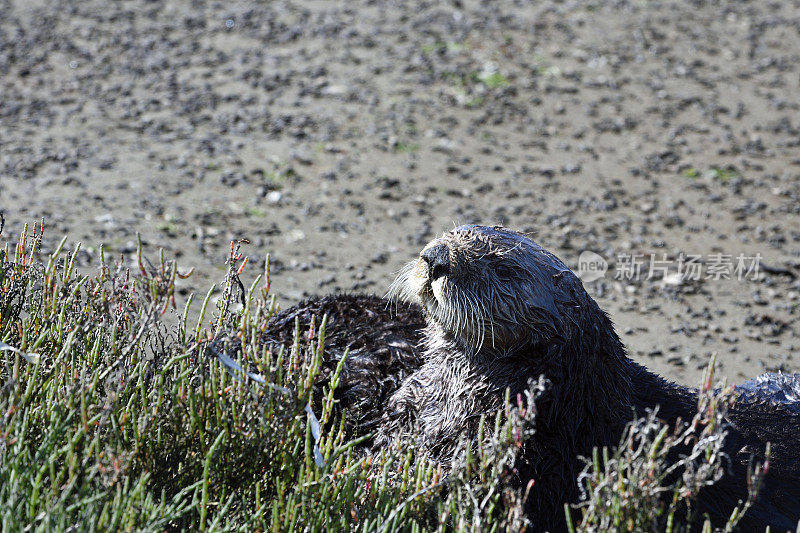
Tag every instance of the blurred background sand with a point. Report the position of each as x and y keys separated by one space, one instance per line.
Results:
x=339 y=137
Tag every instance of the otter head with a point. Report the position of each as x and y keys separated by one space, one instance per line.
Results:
x=493 y=289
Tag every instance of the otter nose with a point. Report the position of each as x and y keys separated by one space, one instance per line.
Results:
x=438 y=260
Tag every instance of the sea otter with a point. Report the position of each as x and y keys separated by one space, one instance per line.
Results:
x=501 y=310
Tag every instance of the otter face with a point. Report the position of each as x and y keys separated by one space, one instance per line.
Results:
x=490 y=288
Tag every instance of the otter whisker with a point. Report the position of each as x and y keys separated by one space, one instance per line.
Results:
x=444 y=313
x=468 y=315
x=464 y=318
x=400 y=288
x=469 y=318
x=458 y=312
x=488 y=316
x=477 y=320
x=471 y=312
x=454 y=315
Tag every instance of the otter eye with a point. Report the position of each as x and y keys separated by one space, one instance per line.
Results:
x=504 y=272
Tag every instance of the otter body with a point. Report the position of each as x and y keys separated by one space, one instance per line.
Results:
x=501 y=311
x=380 y=339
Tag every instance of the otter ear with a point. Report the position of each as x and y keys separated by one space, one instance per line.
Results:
x=558 y=276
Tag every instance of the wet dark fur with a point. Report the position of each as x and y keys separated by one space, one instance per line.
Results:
x=382 y=340
x=536 y=319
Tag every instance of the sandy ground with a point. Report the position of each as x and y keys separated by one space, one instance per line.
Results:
x=340 y=136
